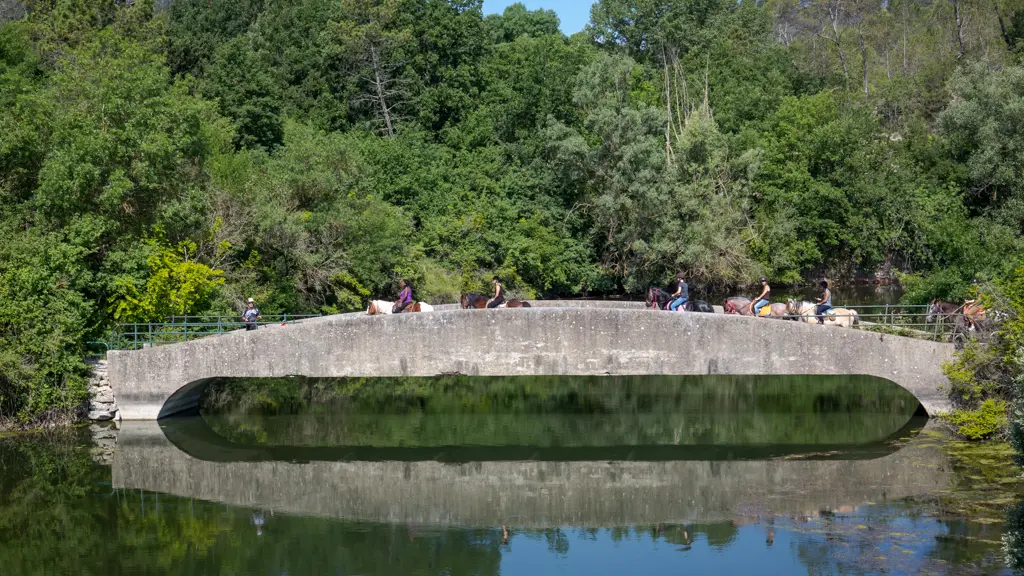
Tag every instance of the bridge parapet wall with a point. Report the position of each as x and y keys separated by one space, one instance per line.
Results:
x=594 y=340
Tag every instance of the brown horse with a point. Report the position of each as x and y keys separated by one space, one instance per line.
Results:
x=517 y=304
x=737 y=305
x=473 y=300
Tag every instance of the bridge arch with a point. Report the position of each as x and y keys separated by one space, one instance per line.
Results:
x=593 y=340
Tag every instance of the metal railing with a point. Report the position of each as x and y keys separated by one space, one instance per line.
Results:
x=903 y=319
x=136 y=335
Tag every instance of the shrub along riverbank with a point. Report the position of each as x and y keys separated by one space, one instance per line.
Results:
x=177 y=158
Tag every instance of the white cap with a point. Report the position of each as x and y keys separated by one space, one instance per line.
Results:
x=250 y=300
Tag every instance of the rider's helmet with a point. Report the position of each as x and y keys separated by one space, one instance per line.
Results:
x=824 y=284
x=763 y=279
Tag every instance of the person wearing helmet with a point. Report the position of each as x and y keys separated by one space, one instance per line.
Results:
x=824 y=302
x=762 y=300
x=251 y=315
x=682 y=293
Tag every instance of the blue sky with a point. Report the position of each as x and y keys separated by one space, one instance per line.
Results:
x=574 y=14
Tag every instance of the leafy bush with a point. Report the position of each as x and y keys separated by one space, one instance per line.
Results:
x=981 y=424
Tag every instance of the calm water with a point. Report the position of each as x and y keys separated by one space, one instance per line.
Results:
x=512 y=476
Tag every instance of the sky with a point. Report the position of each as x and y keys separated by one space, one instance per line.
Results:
x=574 y=14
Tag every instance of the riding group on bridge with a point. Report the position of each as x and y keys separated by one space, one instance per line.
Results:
x=967 y=316
x=405 y=303
x=821 y=312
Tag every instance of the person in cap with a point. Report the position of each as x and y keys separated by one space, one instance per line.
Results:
x=762 y=300
x=251 y=315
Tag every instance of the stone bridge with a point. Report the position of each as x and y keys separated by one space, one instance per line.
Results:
x=570 y=338
x=530 y=494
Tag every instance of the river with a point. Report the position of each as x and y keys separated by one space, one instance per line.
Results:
x=456 y=475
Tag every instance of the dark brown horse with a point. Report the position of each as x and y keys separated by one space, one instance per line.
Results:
x=660 y=299
x=473 y=300
x=479 y=301
x=657 y=298
x=699 y=306
x=737 y=305
x=940 y=310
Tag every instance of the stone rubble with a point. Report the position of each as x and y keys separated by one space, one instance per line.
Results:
x=102 y=405
x=104 y=439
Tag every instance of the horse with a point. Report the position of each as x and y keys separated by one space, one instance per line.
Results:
x=380 y=307
x=698 y=306
x=801 y=311
x=417 y=307
x=473 y=300
x=774 y=310
x=737 y=305
x=843 y=317
x=940 y=310
x=517 y=304
x=657 y=298
x=805 y=312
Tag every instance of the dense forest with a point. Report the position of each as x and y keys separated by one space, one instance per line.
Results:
x=176 y=157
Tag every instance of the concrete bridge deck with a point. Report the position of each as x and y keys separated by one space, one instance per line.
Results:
x=587 y=339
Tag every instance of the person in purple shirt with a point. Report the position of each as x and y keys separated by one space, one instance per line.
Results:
x=404 y=297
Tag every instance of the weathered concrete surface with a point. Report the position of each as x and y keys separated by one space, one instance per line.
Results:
x=165 y=380
x=529 y=494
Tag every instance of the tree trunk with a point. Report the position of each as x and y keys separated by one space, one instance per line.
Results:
x=1002 y=24
x=834 y=12
x=379 y=83
x=863 y=56
x=961 y=25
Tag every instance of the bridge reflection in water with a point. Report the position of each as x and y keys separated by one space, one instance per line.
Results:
x=653 y=468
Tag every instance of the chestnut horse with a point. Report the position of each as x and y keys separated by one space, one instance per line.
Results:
x=737 y=305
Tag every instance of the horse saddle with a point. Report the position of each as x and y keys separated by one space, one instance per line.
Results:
x=766 y=311
x=831 y=314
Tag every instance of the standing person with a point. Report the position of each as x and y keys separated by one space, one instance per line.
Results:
x=762 y=300
x=404 y=297
x=682 y=293
x=824 y=303
x=251 y=315
x=499 y=294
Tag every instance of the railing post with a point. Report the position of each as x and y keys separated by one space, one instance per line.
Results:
x=186 y=329
x=220 y=324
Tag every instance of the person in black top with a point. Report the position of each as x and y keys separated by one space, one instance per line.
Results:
x=251 y=315
x=824 y=303
x=499 y=294
x=682 y=293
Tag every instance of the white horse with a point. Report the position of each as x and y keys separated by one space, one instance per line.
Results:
x=380 y=307
x=805 y=312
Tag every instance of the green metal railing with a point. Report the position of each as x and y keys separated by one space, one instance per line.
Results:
x=136 y=335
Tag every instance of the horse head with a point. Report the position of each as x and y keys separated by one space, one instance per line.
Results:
x=933 y=311
x=792 y=307
x=464 y=301
x=652 y=297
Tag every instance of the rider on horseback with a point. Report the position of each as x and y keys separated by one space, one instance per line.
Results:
x=824 y=303
x=404 y=297
x=762 y=300
x=682 y=293
x=972 y=307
